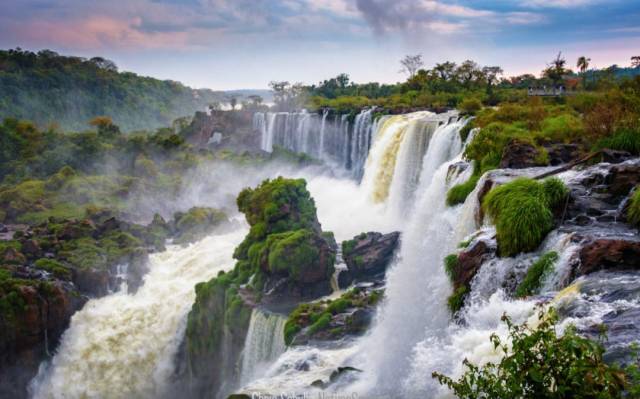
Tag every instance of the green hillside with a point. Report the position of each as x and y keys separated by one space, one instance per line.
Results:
x=49 y=88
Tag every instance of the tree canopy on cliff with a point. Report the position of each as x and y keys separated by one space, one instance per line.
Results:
x=46 y=87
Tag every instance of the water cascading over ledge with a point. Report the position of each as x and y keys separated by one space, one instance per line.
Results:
x=339 y=140
x=331 y=138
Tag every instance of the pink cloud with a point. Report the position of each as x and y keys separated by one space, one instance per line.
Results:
x=97 y=32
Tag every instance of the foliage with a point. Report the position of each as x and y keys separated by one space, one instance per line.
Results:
x=455 y=302
x=196 y=223
x=522 y=211
x=459 y=193
x=450 y=265
x=633 y=214
x=540 y=363
x=536 y=274
x=622 y=140
x=317 y=316
x=49 y=88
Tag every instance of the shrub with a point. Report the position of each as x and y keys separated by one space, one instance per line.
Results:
x=622 y=140
x=470 y=106
x=633 y=214
x=536 y=274
x=564 y=127
x=538 y=363
x=459 y=193
x=522 y=213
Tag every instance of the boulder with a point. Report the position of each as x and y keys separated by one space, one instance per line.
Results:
x=470 y=260
x=519 y=155
x=560 y=153
x=91 y=281
x=369 y=254
x=609 y=254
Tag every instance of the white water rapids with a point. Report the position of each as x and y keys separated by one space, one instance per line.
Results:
x=121 y=345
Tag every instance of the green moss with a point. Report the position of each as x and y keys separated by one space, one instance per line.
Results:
x=321 y=324
x=196 y=223
x=456 y=300
x=451 y=265
x=633 y=214
x=464 y=244
x=522 y=213
x=54 y=267
x=536 y=274
x=347 y=247
x=459 y=193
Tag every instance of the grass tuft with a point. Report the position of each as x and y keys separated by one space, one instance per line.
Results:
x=522 y=213
x=535 y=275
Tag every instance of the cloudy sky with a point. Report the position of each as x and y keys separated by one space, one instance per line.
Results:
x=229 y=44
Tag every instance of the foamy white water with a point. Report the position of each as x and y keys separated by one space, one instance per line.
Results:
x=123 y=346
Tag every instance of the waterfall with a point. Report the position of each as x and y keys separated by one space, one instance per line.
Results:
x=121 y=345
x=329 y=139
x=417 y=286
x=264 y=343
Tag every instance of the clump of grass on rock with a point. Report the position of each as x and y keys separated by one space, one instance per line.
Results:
x=522 y=211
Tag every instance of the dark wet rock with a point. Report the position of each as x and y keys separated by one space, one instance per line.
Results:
x=519 y=155
x=45 y=311
x=335 y=376
x=560 y=153
x=369 y=254
x=470 y=260
x=345 y=278
x=615 y=156
x=91 y=281
x=609 y=254
x=108 y=225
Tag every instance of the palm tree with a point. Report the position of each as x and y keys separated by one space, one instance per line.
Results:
x=583 y=65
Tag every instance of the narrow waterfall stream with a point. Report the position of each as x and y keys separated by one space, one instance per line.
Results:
x=264 y=343
x=122 y=346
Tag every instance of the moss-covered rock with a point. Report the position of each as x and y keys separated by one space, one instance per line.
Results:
x=197 y=223
x=522 y=211
x=284 y=258
x=350 y=314
x=633 y=212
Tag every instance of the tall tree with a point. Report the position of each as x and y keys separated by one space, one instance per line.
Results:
x=446 y=70
x=467 y=72
x=556 y=70
x=583 y=64
x=411 y=64
x=491 y=74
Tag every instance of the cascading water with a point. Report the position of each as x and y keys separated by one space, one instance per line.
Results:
x=418 y=147
x=320 y=136
x=264 y=343
x=417 y=286
x=123 y=346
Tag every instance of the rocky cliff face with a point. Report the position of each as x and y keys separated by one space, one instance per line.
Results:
x=49 y=271
x=223 y=129
x=285 y=258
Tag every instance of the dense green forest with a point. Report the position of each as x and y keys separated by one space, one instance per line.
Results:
x=49 y=88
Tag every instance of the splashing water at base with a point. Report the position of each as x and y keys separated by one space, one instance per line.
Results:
x=123 y=346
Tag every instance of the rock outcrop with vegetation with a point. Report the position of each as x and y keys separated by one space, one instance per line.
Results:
x=284 y=259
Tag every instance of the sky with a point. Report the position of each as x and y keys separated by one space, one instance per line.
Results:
x=245 y=44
